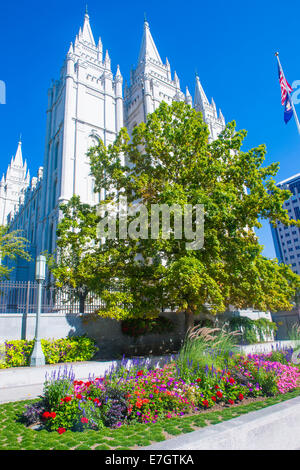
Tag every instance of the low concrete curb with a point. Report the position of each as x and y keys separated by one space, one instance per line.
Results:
x=276 y=427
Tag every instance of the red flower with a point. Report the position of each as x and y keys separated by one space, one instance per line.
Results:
x=213 y=398
x=79 y=396
x=216 y=387
x=46 y=415
x=84 y=420
x=66 y=399
x=219 y=394
x=231 y=402
x=87 y=384
x=205 y=403
x=53 y=414
x=61 y=430
x=231 y=380
x=96 y=400
x=140 y=372
x=241 y=396
x=198 y=380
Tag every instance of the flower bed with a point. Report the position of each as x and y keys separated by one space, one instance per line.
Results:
x=141 y=395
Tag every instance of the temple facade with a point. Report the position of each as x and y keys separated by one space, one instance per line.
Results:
x=87 y=103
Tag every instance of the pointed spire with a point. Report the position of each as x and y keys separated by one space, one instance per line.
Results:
x=107 y=60
x=176 y=80
x=221 y=117
x=27 y=178
x=148 y=47
x=168 y=67
x=200 y=96
x=188 y=97
x=71 y=49
x=18 y=160
x=100 y=50
x=86 y=33
x=118 y=76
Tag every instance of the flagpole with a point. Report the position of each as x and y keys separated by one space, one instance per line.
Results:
x=287 y=90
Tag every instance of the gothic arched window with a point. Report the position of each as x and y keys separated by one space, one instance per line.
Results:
x=50 y=238
x=56 y=155
x=54 y=194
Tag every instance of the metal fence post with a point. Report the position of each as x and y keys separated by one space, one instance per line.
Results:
x=25 y=314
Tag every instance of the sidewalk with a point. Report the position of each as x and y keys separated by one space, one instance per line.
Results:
x=24 y=383
x=276 y=427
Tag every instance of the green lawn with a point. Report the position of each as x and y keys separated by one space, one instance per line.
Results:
x=14 y=435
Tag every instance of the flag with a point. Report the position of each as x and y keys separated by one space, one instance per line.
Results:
x=288 y=110
x=284 y=86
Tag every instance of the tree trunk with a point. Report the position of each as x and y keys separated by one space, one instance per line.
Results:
x=189 y=320
x=81 y=303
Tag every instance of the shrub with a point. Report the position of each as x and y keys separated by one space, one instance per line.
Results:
x=75 y=348
x=17 y=353
x=115 y=407
x=207 y=347
x=140 y=326
x=252 y=331
x=33 y=413
x=57 y=386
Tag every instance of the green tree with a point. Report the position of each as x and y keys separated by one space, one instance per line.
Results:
x=12 y=245
x=169 y=160
x=73 y=262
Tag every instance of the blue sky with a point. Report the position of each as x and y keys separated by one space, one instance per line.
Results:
x=231 y=44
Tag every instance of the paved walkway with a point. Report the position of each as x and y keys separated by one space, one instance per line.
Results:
x=24 y=383
x=275 y=427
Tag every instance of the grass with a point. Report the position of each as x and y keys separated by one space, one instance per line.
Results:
x=204 y=346
x=15 y=436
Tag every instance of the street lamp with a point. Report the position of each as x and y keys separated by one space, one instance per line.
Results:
x=37 y=357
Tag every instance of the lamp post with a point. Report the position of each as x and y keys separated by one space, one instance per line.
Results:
x=37 y=357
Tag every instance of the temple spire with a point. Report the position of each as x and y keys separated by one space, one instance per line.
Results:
x=148 y=48
x=188 y=97
x=18 y=159
x=200 y=96
x=86 y=33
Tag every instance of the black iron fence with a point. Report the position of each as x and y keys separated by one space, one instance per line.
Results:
x=21 y=297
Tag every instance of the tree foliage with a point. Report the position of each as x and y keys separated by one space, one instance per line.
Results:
x=73 y=264
x=12 y=246
x=169 y=160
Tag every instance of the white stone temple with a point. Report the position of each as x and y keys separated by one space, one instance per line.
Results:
x=87 y=103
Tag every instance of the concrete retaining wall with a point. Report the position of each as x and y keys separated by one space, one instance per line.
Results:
x=266 y=347
x=106 y=332
x=276 y=427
